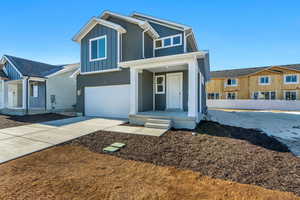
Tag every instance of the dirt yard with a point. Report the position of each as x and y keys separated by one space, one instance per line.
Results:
x=7 y=121
x=229 y=153
x=74 y=172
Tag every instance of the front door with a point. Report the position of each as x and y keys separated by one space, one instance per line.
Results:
x=174 y=91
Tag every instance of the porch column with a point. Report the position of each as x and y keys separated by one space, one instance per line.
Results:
x=3 y=94
x=134 y=79
x=192 y=96
x=24 y=91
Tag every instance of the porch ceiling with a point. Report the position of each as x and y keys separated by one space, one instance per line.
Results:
x=168 y=68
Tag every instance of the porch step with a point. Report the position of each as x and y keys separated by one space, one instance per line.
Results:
x=158 y=123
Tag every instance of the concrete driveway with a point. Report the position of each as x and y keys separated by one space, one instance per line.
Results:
x=22 y=140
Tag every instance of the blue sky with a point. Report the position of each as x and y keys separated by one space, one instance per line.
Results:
x=237 y=33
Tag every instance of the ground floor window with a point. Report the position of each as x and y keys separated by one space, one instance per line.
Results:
x=290 y=95
x=271 y=95
x=213 y=96
x=231 y=95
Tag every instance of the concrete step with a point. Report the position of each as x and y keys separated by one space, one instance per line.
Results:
x=158 y=126
x=159 y=121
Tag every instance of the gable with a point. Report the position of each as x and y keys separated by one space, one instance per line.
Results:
x=11 y=71
x=111 y=50
x=164 y=31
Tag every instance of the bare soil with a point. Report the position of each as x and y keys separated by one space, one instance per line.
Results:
x=74 y=172
x=230 y=153
x=7 y=121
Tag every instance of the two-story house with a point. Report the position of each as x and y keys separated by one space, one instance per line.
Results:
x=140 y=67
x=269 y=83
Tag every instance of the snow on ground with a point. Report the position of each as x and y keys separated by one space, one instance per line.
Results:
x=285 y=126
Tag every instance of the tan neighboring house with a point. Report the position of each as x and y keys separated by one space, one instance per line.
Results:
x=272 y=82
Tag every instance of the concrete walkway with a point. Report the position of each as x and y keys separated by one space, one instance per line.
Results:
x=22 y=140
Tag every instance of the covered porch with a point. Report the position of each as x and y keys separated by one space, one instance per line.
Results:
x=167 y=88
x=23 y=96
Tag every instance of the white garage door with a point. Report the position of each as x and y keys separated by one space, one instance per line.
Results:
x=107 y=101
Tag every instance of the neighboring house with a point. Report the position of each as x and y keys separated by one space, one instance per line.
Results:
x=141 y=67
x=30 y=87
x=272 y=82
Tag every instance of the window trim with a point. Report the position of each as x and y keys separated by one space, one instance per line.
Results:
x=90 y=48
x=285 y=91
x=270 y=95
x=235 y=94
x=167 y=37
x=163 y=84
x=236 y=84
x=260 y=83
x=297 y=75
x=214 y=95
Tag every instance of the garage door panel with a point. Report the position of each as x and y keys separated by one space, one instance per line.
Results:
x=107 y=101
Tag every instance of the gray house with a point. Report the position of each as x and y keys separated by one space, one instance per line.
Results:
x=30 y=87
x=142 y=68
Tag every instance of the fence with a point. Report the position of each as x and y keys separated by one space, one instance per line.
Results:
x=255 y=104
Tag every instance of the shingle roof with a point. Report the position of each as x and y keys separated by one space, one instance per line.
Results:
x=33 y=68
x=246 y=71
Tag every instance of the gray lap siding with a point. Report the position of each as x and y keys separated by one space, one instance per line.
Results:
x=111 y=61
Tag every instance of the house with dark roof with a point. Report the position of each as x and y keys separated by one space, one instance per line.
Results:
x=270 y=82
x=142 y=68
x=31 y=87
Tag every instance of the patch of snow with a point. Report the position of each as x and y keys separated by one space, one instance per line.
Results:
x=282 y=125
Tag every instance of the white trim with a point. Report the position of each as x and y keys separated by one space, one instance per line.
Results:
x=143 y=43
x=165 y=22
x=134 y=88
x=90 y=48
x=259 y=80
x=171 y=43
x=235 y=95
x=163 y=84
x=286 y=83
x=153 y=93
x=21 y=75
x=92 y=23
x=66 y=68
x=185 y=42
x=192 y=88
x=118 y=48
x=285 y=91
x=36 y=79
x=180 y=74
x=143 y=24
x=193 y=55
x=235 y=85
x=101 y=71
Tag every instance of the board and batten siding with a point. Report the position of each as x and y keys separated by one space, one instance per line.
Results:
x=164 y=31
x=11 y=72
x=40 y=100
x=111 y=61
x=132 y=41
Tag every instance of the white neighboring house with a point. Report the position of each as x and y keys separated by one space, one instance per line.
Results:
x=30 y=87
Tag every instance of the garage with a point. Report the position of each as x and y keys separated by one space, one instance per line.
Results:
x=107 y=101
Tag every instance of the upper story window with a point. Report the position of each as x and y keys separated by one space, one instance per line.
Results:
x=264 y=80
x=291 y=79
x=98 y=48
x=170 y=41
x=231 y=82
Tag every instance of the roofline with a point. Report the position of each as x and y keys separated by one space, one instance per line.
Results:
x=6 y=58
x=185 y=27
x=91 y=24
x=264 y=68
x=127 y=64
x=66 y=68
x=143 y=24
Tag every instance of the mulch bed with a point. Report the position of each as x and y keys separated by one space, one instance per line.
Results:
x=219 y=151
x=7 y=121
